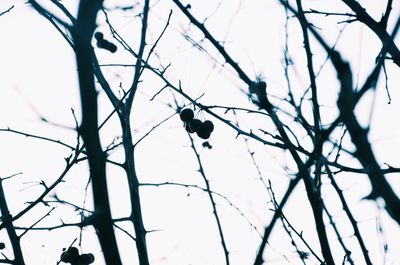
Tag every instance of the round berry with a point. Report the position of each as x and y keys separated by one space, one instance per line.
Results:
x=112 y=47
x=208 y=126
x=203 y=134
x=101 y=44
x=99 y=36
x=186 y=115
x=195 y=125
x=86 y=259
x=206 y=144
x=70 y=255
x=109 y=46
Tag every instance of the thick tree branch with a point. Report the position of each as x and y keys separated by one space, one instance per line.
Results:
x=136 y=208
x=346 y=103
x=14 y=238
x=359 y=136
x=82 y=34
x=377 y=27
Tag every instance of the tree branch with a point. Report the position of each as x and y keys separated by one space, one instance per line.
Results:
x=15 y=240
x=82 y=34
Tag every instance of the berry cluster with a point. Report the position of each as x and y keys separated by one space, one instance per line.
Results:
x=104 y=44
x=203 y=129
x=71 y=255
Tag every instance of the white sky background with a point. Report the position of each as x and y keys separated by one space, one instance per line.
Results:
x=38 y=77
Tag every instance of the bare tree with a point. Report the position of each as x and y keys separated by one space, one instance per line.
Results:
x=308 y=115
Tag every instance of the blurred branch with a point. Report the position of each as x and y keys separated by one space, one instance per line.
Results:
x=313 y=192
x=346 y=104
x=47 y=14
x=378 y=27
x=359 y=136
x=64 y=10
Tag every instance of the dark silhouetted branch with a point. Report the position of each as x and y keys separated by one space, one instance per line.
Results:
x=285 y=222
x=14 y=238
x=277 y=214
x=139 y=59
x=216 y=44
x=377 y=27
x=339 y=236
x=7 y=10
x=82 y=34
x=210 y=195
x=350 y=216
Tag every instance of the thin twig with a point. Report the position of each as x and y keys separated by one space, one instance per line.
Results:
x=6 y=11
x=215 y=211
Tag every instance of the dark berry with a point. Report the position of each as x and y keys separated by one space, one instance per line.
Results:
x=203 y=134
x=186 y=115
x=101 y=44
x=86 y=259
x=208 y=126
x=195 y=125
x=188 y=128
x=109 y=46
x=70 y=255
x=99 y=36
x=112 y=47
x=106 y=45
x=206 y=144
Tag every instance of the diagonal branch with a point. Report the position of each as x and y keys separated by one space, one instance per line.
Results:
x=6 y=11
x=350 y=216
x=214 y=42
x=210 y=195
x=377 y=27
x=277 y=214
